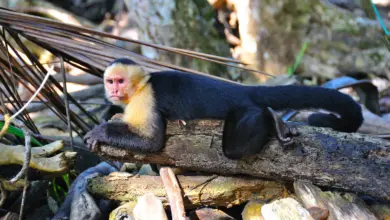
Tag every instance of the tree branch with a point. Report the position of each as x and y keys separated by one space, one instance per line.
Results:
x=347 y=161
x=41 y=157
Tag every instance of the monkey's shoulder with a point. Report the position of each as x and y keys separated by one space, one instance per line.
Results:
x=177 y=81
x=181 y=95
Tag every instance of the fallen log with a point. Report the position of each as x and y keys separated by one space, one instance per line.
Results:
x=197 y=190
x=347 y=161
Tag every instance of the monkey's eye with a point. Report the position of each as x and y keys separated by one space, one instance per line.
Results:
x=110 y=81
x=121 y=81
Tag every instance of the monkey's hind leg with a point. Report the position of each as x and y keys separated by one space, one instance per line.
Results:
x=284 y=134
x=245 y=132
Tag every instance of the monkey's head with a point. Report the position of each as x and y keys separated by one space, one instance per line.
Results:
x=122 y=79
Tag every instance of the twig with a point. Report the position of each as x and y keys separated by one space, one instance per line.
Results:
x=2 y=102
x=174 y=193
x=65 y=92
x=9 y=62
x=23 y=197
x=3 y=195
x=201 y=184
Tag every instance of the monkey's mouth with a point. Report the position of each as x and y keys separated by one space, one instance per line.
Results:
x=116 y=97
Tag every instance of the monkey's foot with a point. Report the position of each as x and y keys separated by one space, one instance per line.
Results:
x=284 y=133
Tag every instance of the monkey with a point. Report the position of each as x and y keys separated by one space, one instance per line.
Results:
x=150 y=98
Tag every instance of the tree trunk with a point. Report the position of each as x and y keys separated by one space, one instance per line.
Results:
x=183 y=24
x=273 y=32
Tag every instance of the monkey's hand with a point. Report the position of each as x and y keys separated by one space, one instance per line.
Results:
x=120 y=135
x=96 y=137
x=117 y=117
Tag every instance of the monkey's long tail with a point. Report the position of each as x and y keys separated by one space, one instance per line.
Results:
x=306 y=97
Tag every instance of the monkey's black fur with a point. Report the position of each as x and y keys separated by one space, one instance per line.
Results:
x=118 y=134
x=122 y=61
x=187 y=96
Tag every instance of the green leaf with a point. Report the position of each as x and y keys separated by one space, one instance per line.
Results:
x=19 y=133
x=65 y=177
x=292 y=69
x=55 y=189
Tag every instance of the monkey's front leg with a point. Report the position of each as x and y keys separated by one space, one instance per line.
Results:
x=118 y=134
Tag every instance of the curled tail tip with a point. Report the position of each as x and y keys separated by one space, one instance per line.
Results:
x=350 y=120
x=356 y=117
x=359 y=118
x=351 y=115
x=353 y=119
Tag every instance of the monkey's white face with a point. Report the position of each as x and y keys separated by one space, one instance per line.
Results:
x=121 y=82
x=117 y=88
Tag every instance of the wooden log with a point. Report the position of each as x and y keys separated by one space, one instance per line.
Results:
x=197 y=190
x=174 y=193
x=347 y=161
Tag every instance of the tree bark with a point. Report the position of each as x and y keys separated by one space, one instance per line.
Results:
x=183 y=24
x=347 y=161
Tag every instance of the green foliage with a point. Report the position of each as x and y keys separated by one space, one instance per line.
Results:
x=59 y=191
x=19 y=133
x=387 y=42
x=291 y=69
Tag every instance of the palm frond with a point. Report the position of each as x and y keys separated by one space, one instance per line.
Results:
x=76 y=40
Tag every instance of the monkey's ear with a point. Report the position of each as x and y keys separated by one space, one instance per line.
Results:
x=139 y=76
x=144 y=79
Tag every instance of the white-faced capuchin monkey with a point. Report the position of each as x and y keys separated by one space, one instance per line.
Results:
x=151 y=98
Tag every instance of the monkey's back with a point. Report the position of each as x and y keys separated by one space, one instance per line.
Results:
x=181 y=95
